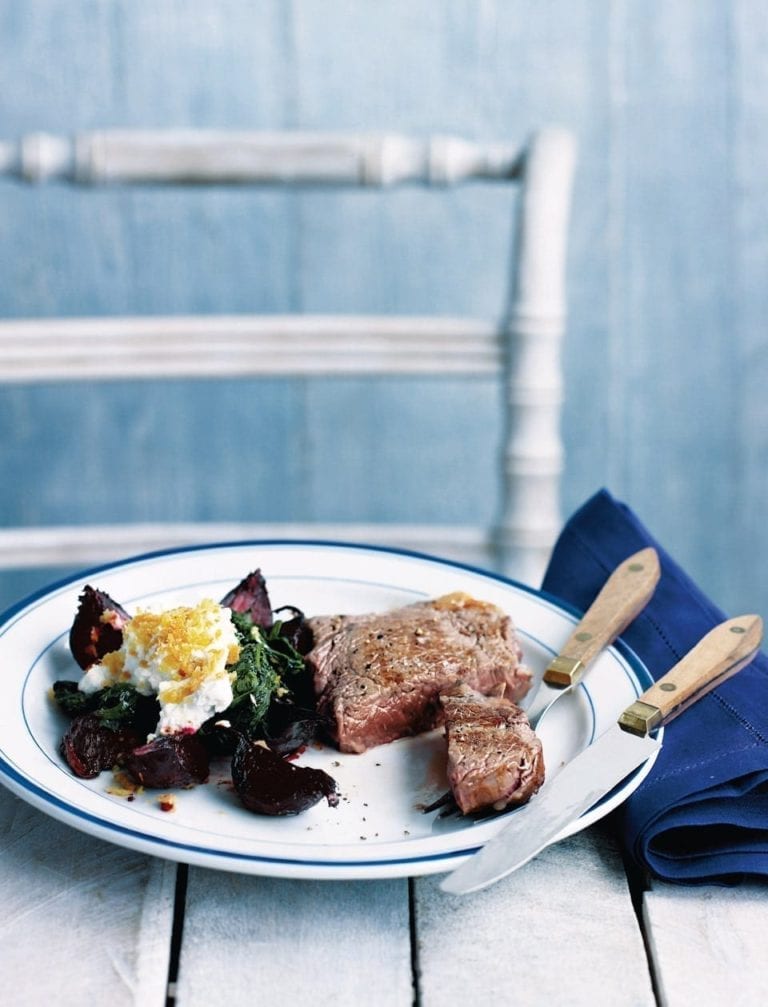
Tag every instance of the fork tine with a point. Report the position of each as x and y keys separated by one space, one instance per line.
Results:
x=445 y=801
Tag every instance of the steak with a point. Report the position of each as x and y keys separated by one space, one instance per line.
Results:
x=494 y=758
x=378 y=677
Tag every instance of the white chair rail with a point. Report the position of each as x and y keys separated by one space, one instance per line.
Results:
x=119 y=155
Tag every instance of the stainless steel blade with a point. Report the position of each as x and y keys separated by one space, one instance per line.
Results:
x=546 y=695
x=582 y=783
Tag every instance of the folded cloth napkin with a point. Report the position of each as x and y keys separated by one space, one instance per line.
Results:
x=701 y=815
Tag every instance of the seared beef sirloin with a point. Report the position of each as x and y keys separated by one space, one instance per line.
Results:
x=378 y=677
x=494 y=758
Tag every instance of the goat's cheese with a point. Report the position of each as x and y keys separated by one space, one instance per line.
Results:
x=180 y=656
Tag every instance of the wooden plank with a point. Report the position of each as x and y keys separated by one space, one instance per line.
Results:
x=673 y=332
x=561 y=930
x=708 y=944
x=273 y=942
x=163 y=250
x=156 y=250
x=427 y=452
x=667 y=252
x=745 y=579
x=80 y=919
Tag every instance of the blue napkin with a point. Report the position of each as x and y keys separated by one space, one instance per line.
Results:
x=701 y=815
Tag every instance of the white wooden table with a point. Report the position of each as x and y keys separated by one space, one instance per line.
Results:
x=83 y=921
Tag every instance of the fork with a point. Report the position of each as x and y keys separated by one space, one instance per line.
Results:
x=621 y=599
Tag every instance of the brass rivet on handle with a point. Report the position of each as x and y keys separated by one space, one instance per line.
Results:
x=668 y=686
x=583 y=636
x=635 y=567
x=738 y=629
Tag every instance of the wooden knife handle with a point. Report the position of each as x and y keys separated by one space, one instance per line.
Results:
x=725 y=650
x=623 y=596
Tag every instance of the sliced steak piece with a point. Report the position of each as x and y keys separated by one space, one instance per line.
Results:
x=378 y=677
x=494 y=758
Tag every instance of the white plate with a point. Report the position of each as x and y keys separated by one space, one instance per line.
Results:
x=378 y=830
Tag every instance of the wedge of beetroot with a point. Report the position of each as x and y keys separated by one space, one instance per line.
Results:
x=294 y=628
x=97 y=628
x=269 y=785
x=290 y=728
x=170 y=760
x=90 y=747
x=251 y=596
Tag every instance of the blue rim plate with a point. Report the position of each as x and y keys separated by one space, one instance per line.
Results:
x=379 y=829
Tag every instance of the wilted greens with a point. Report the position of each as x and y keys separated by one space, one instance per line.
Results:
x=264 y=671
x=116 y=706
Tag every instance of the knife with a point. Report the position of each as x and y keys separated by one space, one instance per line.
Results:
x=623 y=596
x=608 y=760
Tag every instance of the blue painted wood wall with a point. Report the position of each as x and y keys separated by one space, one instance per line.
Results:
x=667 y=348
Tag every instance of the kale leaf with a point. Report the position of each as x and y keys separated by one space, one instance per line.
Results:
x=70 y=700
x=117 y=706
x=262 y=672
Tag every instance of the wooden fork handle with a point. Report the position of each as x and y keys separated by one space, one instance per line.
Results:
x=621 y=599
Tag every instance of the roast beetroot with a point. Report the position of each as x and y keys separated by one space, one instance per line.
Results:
x=89 y=746
x=97 y=628
x=170 y=760
x=269 y=785
x=291 y=728
x=251 y=596
x=294 y=629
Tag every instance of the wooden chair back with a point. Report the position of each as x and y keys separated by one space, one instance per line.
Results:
x=522 y=350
